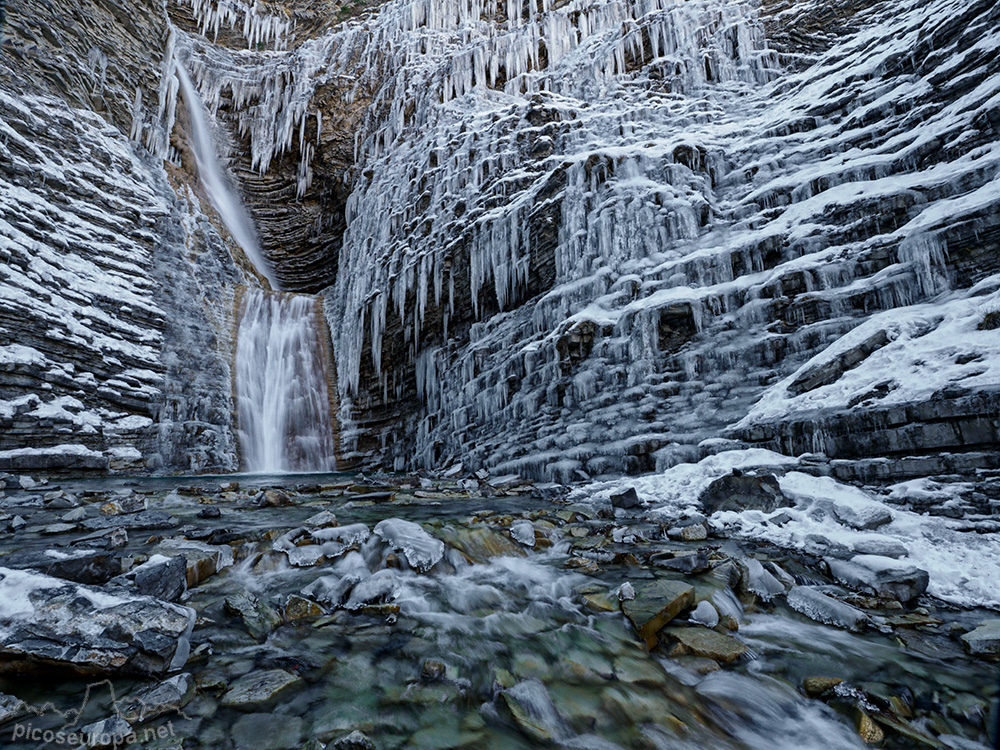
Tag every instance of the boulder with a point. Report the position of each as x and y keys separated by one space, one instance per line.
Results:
x=421 y=550
x=258 y=617
x=80 y=565
x=738 y=491
x=160 y=576
x=882 y=576
x=202 y=560
x=626 y=500
x=984 y=640
x=693 y=563
x=165 y=697
x=656 y=604
x=50 y=623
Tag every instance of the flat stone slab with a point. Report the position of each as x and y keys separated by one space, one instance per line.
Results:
x=46 y=622
x=706 y=643
x=984 y=640
x=258 y=688
x=656 y=604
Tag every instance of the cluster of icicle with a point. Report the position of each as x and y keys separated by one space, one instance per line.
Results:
x=447 y=156
x=259 y=29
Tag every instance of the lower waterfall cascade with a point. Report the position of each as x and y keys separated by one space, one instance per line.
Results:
x=282 y=396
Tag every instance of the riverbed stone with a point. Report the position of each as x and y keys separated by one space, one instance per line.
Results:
x=626 y=500
x=705 y=643
x=265 y=731
x=257 y=616
x=655 y=604
x=816 y=686
x=80 y=565
x=258 y=688
x=984 y=640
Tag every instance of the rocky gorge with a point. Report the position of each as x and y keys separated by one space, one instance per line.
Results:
x=459 y=373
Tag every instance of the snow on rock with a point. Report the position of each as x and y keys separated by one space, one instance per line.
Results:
x=964 y=567
x=821 y=607
x=50 y=621
x=523 y=532
x=422 y=551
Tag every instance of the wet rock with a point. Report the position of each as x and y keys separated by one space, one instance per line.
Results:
x=819 y=545
x=377 y=589
x=692 y=533
x=140 y=521
x=299 y=608
x=818 y=606
x=323 y=519
x=49 y=622
x=432 y=671
x=275 y=499
x=738 y=491
x=869 y=732
x=655 y=604
x=523 y=712
x=354 y=741
x=880 y=575
x=984 y=640
x=10 y=707
x=600 y=603
x=124 y=504
x=861 y=517
x=689 y=564
x=166 y=697
x=110 y=732
x=817 y=686
x=258 y=688
x=626 y=500
x=202 y=560
x=258 y=617
x=80 y=565
x=263 y=731
x=209 y=512
x=160 y=576
x=705 y=643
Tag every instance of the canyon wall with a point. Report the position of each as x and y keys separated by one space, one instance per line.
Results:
x=554 y=239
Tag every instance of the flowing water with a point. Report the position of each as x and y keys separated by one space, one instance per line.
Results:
x=282 y=395
x=283 y=399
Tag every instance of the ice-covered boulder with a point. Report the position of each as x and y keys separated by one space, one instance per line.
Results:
x=818 y=606
x=421 y=550
x=883 y=576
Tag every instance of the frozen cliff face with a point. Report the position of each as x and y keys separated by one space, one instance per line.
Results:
x=115 y=286
x=586 y=239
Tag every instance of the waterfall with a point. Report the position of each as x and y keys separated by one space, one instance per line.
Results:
x=222 y=196
x=282 y=395
x=283 y=400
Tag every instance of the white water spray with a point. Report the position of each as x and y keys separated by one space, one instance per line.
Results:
x=223 y=197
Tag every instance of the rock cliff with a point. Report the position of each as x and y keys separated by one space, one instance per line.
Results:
x=554 y=239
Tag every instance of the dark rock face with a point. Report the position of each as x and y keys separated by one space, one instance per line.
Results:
x=744 y=492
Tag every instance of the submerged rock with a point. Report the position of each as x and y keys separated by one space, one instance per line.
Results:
x=48 y=622
x=258 y=688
